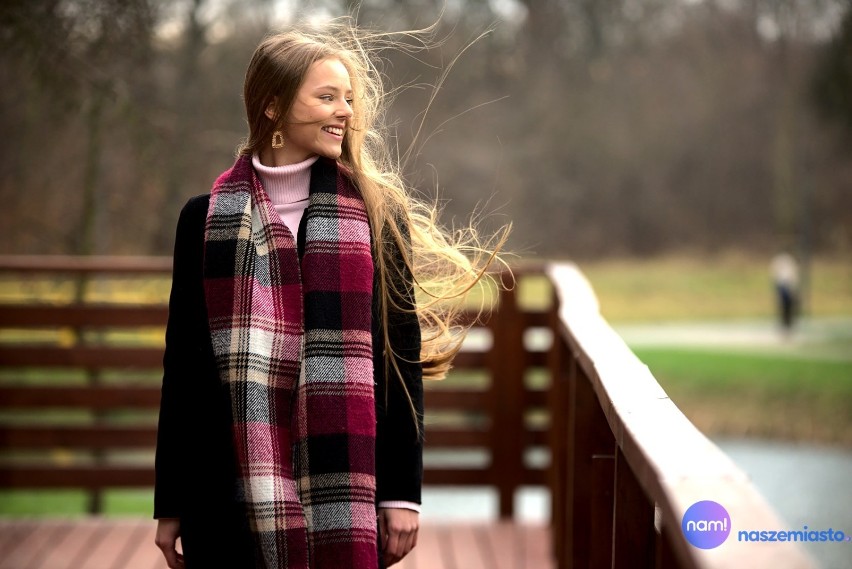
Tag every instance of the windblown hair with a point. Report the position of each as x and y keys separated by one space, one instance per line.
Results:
x=446 y=265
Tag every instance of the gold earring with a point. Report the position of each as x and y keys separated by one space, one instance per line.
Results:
x=277 y=139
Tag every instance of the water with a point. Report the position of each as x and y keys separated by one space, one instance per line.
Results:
x=805 y=484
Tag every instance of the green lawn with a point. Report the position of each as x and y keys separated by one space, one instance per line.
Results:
x=72 y=503
x=737 y=393
x=686 y=288
x=793 y=391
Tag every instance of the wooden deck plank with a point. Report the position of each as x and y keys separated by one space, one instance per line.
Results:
x=427 y=554
x=133 y=543
x=444 y=534
x=507 y=550
x=100 y=531
x=29 y=546
x=104 y=543
x=58 y=534
x=109 y=550
x=146 y=555
x=11 y=533
x=465 y=547
x=80 y=535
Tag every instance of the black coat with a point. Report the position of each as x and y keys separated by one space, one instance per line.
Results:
x=196 y=468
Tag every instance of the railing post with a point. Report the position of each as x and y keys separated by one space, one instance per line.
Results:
x=82 y=286
x=558 y=361
x=591 y=470
x=634 y=537
x=665 y=555
x=508 y=396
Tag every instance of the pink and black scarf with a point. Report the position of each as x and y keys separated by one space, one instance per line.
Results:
x=293 y=343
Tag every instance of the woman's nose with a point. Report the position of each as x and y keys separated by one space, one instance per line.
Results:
x=344 y=111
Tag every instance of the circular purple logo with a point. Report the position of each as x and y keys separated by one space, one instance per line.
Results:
x=706 y=524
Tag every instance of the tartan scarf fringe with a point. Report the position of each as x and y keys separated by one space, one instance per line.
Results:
x=293 y=344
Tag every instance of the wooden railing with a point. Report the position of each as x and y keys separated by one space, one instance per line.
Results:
x=76 y=396
x=494 y=415
x=79 y=391
x=627 y=464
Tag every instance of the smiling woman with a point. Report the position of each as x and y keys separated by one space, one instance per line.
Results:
x=290 y=431
x=317 y=119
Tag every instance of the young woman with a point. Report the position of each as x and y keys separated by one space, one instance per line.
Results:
x=290 y=431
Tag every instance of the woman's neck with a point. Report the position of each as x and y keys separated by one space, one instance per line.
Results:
x=275 y=157
x=285 y=184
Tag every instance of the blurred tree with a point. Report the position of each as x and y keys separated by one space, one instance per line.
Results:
x=606 y=127
x=77 y=53
x=182 y=101
x=832 y=84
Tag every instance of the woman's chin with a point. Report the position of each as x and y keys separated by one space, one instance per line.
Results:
x=333 y=153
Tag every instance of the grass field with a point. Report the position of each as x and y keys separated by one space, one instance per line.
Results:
x=741 y=394
x=732 y=286
x=73 y=503
x=798 y=390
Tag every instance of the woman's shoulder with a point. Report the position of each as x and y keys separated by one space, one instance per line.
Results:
x=193 y=216
x=196 y=204
x=195 y=210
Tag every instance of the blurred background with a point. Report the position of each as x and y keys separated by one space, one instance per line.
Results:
x=600 y=128
x=672 y=148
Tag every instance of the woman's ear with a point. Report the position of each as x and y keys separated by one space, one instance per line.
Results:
x=270 y=111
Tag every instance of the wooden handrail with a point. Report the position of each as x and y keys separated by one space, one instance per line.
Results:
x=111 y=264
x=82 y=316
x=631 y=450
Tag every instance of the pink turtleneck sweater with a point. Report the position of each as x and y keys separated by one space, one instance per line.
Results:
x=288 y=188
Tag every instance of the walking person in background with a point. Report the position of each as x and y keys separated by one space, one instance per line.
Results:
x=290 y=432
x=785 y=277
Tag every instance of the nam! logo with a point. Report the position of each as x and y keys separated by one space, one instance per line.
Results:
x=706 y=524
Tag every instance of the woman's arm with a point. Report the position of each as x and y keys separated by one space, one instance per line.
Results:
x=399 y=432
x=168 y=532
x=179 y=360
x=398 y=529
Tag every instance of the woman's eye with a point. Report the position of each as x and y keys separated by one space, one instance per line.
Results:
x=349 y=102
x=327 y=97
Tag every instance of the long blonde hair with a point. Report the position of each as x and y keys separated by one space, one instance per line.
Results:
x=446 y=265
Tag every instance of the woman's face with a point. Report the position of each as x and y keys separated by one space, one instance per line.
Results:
x=320 y=114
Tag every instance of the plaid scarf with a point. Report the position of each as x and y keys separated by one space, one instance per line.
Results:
x=301 y=384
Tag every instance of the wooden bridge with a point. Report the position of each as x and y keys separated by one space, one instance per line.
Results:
x=101 y=543
x=79 y=392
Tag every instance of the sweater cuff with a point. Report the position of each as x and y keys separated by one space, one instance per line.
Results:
x=401 y=505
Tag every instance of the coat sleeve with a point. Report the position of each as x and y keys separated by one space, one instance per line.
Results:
x=179 y=360
x=399 y=435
